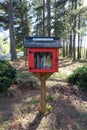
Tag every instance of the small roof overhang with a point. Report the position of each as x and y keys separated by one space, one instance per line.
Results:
x=42 y=42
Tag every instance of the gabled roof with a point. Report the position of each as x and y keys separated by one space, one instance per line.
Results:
x=42 y=42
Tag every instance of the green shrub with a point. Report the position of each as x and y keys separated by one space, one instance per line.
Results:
x=7 y=75
x=79 y=77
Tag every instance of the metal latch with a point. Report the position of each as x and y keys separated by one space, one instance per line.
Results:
x=30 y=52
x=30 y=68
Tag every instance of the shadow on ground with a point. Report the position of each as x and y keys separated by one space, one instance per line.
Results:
x=36 y=122
x=67 y=117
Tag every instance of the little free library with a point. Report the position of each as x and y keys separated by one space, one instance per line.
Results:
x=43 y=55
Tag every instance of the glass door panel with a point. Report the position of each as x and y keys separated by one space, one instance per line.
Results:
x=43 y=60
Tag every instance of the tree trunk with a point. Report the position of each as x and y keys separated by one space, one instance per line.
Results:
x=86 y=53
x=63 y=48
x=79 y=39
x=70 y=47
x=78 y=49
x=55 y=18
x=74 y=31
x=43 y=17
x=66 y=48
x=49 y=22
x=74 y=50
x=11 y=32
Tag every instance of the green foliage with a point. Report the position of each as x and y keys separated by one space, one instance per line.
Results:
x=50 y=98
x=49 y=109
x=7 y=75
x=4 y=45
x=19 y=48
x=22 y=20
x=79 y=77
x=32 y=102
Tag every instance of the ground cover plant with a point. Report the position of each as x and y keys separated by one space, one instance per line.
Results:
x=7 y=75
x=79 y=77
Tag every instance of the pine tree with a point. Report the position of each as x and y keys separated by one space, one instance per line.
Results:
x=11 y=30
x=7 y=21
x=22 y=22
x=16 y=18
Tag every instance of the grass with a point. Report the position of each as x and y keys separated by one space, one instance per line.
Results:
x=59 y=75
x=32 y=102
x=77 y=125
x=25 y=76
x=27 y=107
x=4 y=118
x=4 y=126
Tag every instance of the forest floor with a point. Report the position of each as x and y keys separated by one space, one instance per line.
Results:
x=66 y=107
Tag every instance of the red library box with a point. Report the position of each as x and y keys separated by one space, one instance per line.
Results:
x=43 y=54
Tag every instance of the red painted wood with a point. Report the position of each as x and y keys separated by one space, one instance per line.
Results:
x=31 y=61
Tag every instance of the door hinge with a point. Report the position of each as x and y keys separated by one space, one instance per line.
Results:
x=56 y=59
x=30 y=52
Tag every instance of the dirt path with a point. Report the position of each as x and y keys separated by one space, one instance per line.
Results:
x=66 y=105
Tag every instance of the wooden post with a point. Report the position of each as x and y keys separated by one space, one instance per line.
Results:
x=43 y=77
x=43 y=94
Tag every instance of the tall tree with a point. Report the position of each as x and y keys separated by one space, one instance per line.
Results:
x=7 y=21
x=11 y=30
x=74 y=4
x=49 y=17
x=16 y=12
x=43 y=18
x=22 y=21
x=37 y=17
